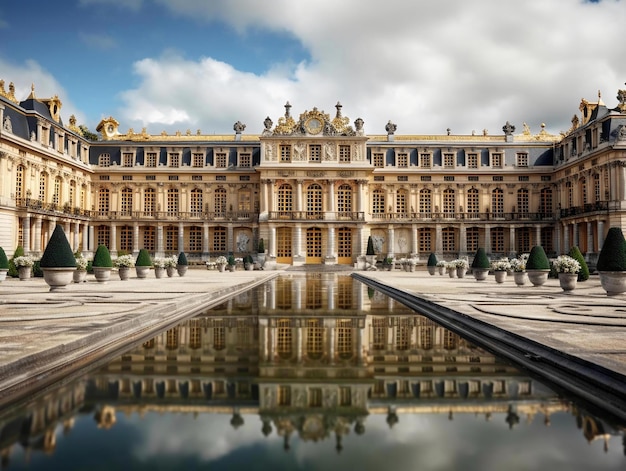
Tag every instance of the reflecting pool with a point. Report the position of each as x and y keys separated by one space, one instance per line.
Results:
x=312 y=372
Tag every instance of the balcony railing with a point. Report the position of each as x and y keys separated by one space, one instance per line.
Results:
x=317 y=215
x=53 y=209
x=246 y=216
x=463 y=216
x=585 y=209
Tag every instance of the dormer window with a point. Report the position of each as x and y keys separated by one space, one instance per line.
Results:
x=104 y=160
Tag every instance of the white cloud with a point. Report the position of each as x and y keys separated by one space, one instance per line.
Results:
x=426 y=66
x=46 y=86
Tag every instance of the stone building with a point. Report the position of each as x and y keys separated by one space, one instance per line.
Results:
x=314 y=187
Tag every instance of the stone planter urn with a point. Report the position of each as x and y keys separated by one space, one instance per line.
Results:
x=538 y=277
x=568 y=281
x=231 y=267
x=182 y=269
x=432 y=270
x=80 y=276
x=460 y=272
x=452 y=272
x=124 y=273
x=520 y=278
x=249 y=266
x=613 y=282
x=24 y=273
x=142 y=272
x=442 y=270
x=221 y=267
x=58 y=278
x=500 y=275
x=102 y=274
x=159 y=272
x=170 y=271
x=3 y=274
x=480 y=274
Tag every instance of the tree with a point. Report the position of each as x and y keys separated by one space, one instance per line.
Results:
x=87 y=134
x=583 y=274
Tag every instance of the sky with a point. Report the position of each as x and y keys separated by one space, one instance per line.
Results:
x=427 y=66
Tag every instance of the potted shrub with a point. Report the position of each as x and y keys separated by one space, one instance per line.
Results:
x=388 y=263
x=583 y=274
x=518 y=265
x=261 y=253
x=19 y=251
x=537 y=266
x=143 y=262
x=500 y=269
x=431 y=265
x=159 y=264
x=220 y=263
x=461 y=267
x=4 y=265
x=480 y=265
x=124 y=263
x=102 y=264
x=567 y=268
x=231 y=262
x=248 y=262
x=451 y=268
x=441 y=266
x=170 y=265
x=80 y=275
x=58 y=262
x=181 y=264
x=24 y=265
x=612 y=262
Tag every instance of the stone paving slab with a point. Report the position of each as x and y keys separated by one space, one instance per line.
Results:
x=44 y=335
x=585 y=322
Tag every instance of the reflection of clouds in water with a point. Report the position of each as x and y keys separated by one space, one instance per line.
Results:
x=208 y=436
x=428 y=442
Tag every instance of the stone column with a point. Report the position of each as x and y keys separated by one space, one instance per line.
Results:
x=230 y=238
x=462 y=239
x=557 y=237
x=438 y=239
x=272 y=250
x=391 y=242
x=159 y=234
x=538 y=235
x=298 y=343
x=113 y=240
x=331 y=196
x=85 y=243
x=512 y=248
x=181 y=237
x=589 y=237
x=36 y=243
x=361 y=195
x=76 y=238
x=488 y=238
x=297 y=240
x=331 y=340
x=26 y=234
x=136 y=246
x=414 y=243
x=298 y=195
x=92 y=239
x=566 y=235
x=205 y=239
x=330 y=252
x=600 y=235
x=576 y=229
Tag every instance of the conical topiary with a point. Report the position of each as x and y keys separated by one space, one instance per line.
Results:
x=102 y=258
x=370 y=246
x=432 y=260
x=261 y=247
x=182 y=259
x=4 y=261
x=143 y=259
x=19 y=252
x=537 y=260
x=613 y=254
x=480 y=259
x=58 y=253
x=583 y=274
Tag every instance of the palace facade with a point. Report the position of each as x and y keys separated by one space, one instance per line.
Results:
x=314 y=186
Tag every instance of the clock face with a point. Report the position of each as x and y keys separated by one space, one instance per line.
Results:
x=110 y=129
x=313 y=126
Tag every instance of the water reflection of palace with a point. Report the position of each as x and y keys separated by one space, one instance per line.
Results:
x=312 y=357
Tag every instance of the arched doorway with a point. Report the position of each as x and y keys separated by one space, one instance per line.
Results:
x=283 y=245
x=314 y=245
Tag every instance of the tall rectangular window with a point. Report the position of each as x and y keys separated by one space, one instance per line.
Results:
x=104 y=160
x=379 y=160
x=402 y=161
x=315 y=153
x=496 y=160
x=285 y=153
x=127 y=159
x=151 y=159
x=344 y=154
x=220 y=160
x=472 y=160
x=174 y=160
x=198 y=160
x=425 y=161
x=448 y=160
x=245 y=159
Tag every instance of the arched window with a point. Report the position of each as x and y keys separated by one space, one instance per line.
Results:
x=497 y=202
x=473 y=205
x=126 y=203
x=449 y=201
x=378 y=202
x=314 y=201
x=19 y=182
x=103 y=201
x=195 y=202
x=545 y=204
x=426 y=203
x=220 y=201
x=149 y=201
x=522 y=201
x=344 y=199
x=172 y=202
x=285 y=198
x=56 y=195
x=402 y=201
